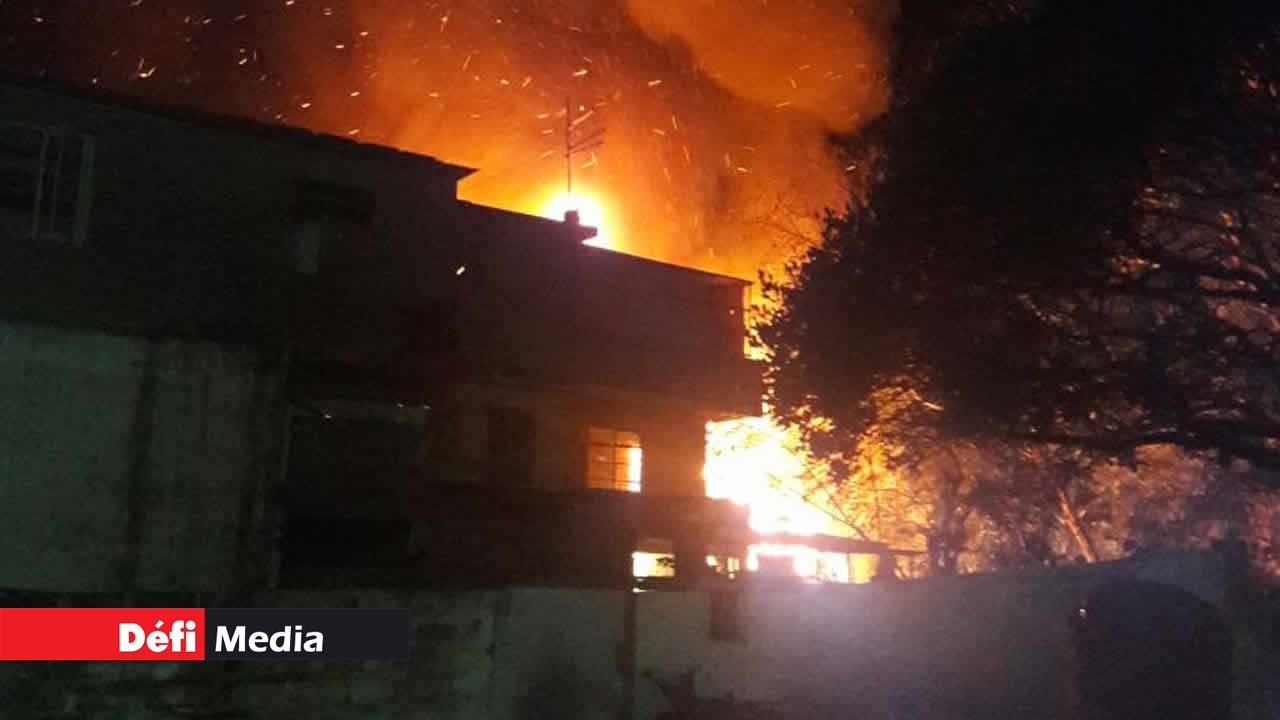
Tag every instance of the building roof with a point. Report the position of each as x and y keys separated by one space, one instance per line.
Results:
x=300 y=136
x=494 y=218
x=709 y=278
x=227 y=123
x=522 y=222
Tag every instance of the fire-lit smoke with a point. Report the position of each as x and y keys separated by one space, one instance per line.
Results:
x=824 y=59
x=716 y=116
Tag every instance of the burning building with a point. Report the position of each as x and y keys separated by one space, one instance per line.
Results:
x=242 y=351
x=716 y=124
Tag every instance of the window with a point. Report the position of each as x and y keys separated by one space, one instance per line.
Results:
x=309 y=237
x=321 y=199
x=330 y=219
x=46 y=185
x=653 y=558
x=614 y=460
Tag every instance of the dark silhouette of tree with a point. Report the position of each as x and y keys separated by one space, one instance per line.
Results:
x=1072 y=239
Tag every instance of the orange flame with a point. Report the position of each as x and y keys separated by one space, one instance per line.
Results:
x=756 y=463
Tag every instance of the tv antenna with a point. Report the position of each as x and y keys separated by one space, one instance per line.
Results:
x=577 y=141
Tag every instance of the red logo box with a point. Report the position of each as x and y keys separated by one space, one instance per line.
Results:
x=102 y=633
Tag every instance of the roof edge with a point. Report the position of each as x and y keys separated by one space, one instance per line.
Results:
x=211 y=120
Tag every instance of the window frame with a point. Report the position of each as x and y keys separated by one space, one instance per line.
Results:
x=49 y=219
x=625 y=450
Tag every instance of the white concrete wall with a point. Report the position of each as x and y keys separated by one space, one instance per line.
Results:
x=124 y=463
x=557 y=655
x=975 y=646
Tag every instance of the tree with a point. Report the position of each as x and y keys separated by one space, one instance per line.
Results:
x=1072 y=241
x=969 y=507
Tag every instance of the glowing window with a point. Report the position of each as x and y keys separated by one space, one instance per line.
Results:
x=653 y=558
x=646 y=564
x=614 y=459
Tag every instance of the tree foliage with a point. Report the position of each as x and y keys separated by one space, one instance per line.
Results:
x=1072 y=241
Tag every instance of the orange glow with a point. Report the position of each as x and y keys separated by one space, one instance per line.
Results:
x=758 y=464
x=635 y=458
x=709 y=131
x=802 y=561
x=704 y=145
x=590 y=213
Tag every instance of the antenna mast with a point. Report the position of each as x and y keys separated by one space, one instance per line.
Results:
x=577 y=144
x=568 y=148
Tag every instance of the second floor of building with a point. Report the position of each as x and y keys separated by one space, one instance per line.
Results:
x=360 y=259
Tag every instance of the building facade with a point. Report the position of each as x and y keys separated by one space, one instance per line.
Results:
x=236 y=354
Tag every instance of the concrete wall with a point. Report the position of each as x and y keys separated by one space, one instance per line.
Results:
x=127 y=463
x=979 y=647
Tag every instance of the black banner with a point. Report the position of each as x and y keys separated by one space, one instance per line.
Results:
x=306 y=634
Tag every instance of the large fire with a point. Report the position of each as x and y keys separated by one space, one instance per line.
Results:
x=714 y=119
x=700 y=131
x=758 y=464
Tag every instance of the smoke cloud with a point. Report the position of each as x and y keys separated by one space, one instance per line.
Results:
x=716 y=114
x=820 y=57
